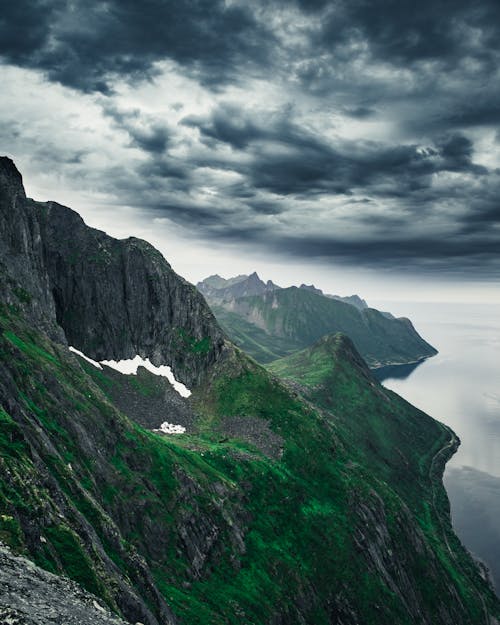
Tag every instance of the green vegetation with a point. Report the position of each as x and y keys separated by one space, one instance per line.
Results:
x=22 y=295
x=396 y=444
x=253 y=340
x=355 y=458
x=201 y=346
x=278 y=323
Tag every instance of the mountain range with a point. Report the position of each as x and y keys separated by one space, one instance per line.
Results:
x=305 y=494
x=270 y=322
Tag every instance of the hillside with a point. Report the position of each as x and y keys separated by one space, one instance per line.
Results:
x=276 y=506
x=275 y=324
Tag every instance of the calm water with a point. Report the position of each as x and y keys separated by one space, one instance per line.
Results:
x=461 y=387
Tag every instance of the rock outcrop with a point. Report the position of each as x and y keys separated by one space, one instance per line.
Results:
x=31 y=596
x=113 y=299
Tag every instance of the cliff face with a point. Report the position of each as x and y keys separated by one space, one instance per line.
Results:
x=317 y=502
x=113 y=299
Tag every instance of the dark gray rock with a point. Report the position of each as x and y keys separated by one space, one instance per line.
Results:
x=112 y=299
x=31 y=596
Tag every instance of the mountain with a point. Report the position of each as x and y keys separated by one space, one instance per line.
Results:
x=279 y=504
x=218 y=290
x=354 y=300
x=277 y=323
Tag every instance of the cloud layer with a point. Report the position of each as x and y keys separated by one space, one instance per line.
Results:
x=358 y=132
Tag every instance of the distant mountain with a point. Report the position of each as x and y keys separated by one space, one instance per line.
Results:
x=218 y=290
x=354 y=300
x=270 y=322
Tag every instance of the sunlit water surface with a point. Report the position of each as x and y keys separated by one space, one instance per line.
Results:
x=461 y=387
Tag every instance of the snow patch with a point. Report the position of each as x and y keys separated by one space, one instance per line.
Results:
x=82 y=355
x=170 y=428
x=130 y=366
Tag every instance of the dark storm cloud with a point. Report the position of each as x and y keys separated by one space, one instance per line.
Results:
x=288 y=159
x=423 y=253
x=403 y=31
x=151 y=135
x=83 y=45
x=24 y=28
x=423 y=77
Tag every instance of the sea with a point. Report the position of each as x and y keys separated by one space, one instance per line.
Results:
x=461 y=388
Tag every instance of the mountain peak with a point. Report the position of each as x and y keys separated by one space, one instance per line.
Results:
x=312 y=288
x=11 y=181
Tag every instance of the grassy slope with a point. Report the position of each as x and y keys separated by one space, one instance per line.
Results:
x=298 y=515
x=295 y=318
x=391 y=440
x=254 y=341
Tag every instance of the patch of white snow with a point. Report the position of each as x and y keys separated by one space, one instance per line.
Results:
x=129 y=367
x=170 y=428
x=82 y=355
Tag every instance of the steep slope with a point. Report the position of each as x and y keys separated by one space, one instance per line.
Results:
x=255 y=341
x=389 y=440
x=113 y=299
x=268 y=511
x=299 y=317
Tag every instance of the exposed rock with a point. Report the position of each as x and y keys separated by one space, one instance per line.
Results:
x=113 y=299
x=255 y=431
x=31 y=596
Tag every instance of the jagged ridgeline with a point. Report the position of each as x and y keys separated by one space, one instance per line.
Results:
x=270 y=322
x=310 y=496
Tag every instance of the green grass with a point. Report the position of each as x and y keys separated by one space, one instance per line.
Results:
x=73 y=559
x=196 y=346
x=350 y=447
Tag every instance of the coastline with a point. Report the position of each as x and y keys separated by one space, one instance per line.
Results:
x=382 y=372
x=442 y=510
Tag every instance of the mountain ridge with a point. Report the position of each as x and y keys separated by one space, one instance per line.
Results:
x=275 y=323
x=218 y=290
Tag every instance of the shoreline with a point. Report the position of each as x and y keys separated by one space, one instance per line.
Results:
x=384 y=372
x=442 y=509
x=402 y=364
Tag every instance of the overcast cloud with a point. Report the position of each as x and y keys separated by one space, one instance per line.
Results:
x=359 y=132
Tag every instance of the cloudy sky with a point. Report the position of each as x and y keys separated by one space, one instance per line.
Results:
x=351 y=143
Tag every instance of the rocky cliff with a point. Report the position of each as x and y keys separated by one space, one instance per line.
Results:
x=315 y=501
x=112 y=299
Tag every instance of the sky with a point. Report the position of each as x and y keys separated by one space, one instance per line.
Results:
x=352 y=144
